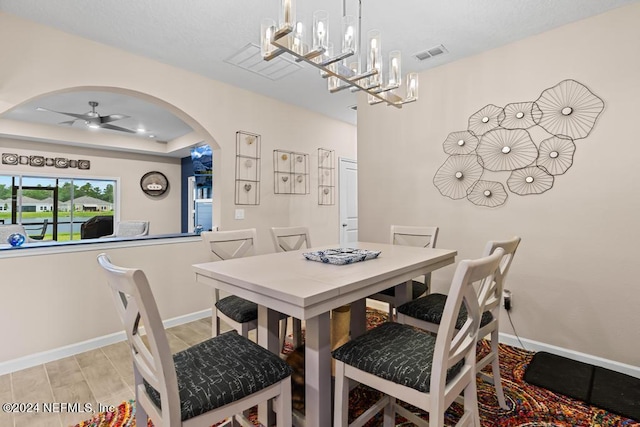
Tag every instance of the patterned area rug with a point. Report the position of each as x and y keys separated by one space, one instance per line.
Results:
x=529 y=406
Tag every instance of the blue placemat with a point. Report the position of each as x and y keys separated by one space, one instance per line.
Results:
x=341 y=256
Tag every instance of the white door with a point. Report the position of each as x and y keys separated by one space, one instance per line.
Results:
x=348 y=182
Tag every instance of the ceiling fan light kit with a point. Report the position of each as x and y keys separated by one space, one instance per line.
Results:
x=94 y=120
x=340 y=70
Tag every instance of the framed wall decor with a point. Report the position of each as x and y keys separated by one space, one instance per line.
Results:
x=154 y=183
x=326 y=177
x=41 y=161
x=247 y=168
x=499 y=140
x=291 y=172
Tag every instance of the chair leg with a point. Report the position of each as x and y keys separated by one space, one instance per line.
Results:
x=495 y=369
x=243 y=329
x=297 y=332
x=471 y=403
x=389 y=417
x=215 y=322
x=341 y=403
x=141 y=416
x=282 y=405
x=283 y=325
x=390 y=313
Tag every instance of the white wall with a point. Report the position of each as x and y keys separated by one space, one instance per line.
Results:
x=573 y=279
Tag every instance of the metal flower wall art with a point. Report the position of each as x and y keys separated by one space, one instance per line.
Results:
x=499 y=139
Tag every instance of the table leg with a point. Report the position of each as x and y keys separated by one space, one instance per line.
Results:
x=268 y=337
x=318 y=372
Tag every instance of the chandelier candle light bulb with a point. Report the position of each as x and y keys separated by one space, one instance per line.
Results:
x=395 y=61
x=320 y=29
x=266 y=32
x=288 y=14
x=298 y=38
x=412 y=87
x=349 y=33
x=375 y=47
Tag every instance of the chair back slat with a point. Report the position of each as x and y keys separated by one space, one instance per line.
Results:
x=287 y=239
x=494 y=292
x=132 y=228
x=425 y=237
x=230 y=244
x=453 y=345
x=135 y=304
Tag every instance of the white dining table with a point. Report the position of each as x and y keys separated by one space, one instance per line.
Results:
x=286 y=282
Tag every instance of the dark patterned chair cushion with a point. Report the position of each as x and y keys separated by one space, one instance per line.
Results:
x=222 y=370
x=417 y=289
x=238 y=309
x=395 y=352
x=430 y=308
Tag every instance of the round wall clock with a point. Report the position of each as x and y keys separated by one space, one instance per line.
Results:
x=154 y=183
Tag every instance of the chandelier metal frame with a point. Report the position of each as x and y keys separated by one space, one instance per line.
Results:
x=276 y=41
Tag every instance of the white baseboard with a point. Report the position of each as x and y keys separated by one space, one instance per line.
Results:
x=73 y=349
x=532 y=345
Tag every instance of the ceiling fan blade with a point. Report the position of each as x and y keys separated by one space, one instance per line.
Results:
x=77 y=116
x=112 y=118
x=68 y=123
x=118 y=128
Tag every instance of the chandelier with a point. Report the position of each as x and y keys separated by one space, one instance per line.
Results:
x=340 y=65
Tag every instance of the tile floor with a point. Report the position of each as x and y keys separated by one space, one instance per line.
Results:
x=101 y=376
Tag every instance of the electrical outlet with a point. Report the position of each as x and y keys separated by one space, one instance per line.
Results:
x=239 y=214
x=507 y=299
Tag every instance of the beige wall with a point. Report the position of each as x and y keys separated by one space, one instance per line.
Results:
x=573 y=280
x=37 y=60
x=53 y=300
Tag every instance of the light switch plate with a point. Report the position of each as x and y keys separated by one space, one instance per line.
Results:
x=239 y=213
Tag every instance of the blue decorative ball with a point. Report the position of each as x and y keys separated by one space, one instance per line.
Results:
x=16 y=239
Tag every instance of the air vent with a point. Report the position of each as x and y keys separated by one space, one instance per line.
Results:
x=249 y=58
x=430 y=53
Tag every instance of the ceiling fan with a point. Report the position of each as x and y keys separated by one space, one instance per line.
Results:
x=92 y=119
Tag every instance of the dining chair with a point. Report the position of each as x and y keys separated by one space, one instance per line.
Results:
x=425 y=370
x=239 y=313
x=9 y=229
x=287 y=239
x=202 y=385
x=40 y=230
x=132 y=228
x=427 y=313
x=425 y=237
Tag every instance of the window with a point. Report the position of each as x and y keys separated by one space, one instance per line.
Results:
x=58 y=205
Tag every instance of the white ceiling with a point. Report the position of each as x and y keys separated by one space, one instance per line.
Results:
x=198 y=35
